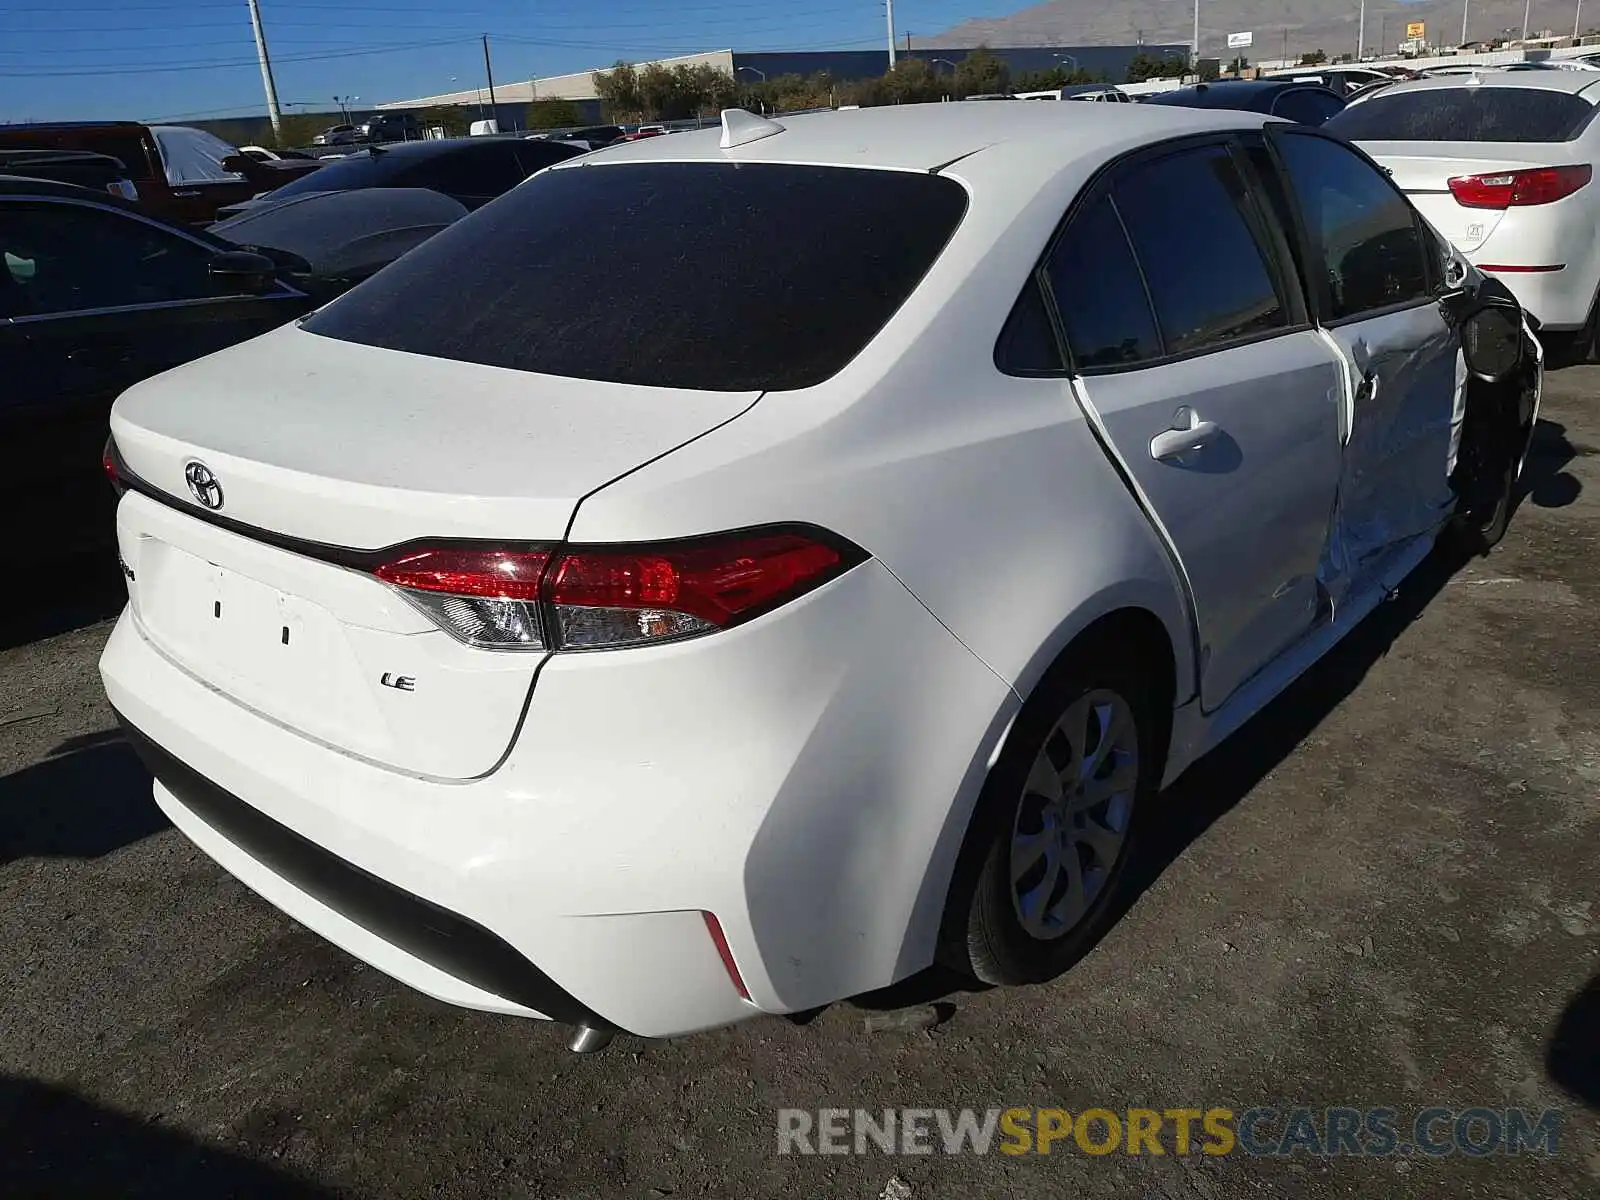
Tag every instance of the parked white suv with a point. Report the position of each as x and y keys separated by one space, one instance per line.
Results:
x=650 y=632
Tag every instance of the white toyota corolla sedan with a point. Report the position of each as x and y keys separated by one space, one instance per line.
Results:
x=1502 y=163
x=735 y=570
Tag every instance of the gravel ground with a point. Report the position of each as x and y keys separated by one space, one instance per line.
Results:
x=1380 y=894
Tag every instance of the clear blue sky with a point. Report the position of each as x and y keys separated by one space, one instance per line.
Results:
x=180 y=59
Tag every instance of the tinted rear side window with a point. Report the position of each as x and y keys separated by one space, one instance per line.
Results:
x=1187 y=216
x=1465 y=114
x=1100 y=293
x=711 y=276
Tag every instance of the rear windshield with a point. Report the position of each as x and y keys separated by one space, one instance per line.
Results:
x=362 y=170
x=710 y=276
x=1465 y=114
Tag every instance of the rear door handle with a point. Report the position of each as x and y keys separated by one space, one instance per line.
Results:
x=1173 y=443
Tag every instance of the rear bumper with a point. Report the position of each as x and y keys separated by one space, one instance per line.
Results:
x=1560 y=299
x=806 y=778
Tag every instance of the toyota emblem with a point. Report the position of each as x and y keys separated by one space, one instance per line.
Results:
x=203 y=485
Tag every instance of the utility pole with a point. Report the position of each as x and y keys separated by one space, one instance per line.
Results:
x=1361 y=32
x=273 y=114
x=1526 y=9
x=488 y=69
x=1286 y=47
x=1383 y=33
x=1197 y=39
x=888 y=11
x=1576 y=18
x=908 y=43
x=1465 y=5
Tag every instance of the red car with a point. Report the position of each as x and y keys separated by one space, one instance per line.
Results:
x=181 y=174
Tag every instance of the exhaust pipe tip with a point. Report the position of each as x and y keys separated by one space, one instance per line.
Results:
x=586 y=1039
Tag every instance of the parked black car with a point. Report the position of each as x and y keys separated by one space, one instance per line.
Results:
x=1305 y=103
x=473 y=170
x=96 y=295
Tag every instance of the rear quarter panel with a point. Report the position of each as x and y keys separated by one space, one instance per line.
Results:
x=986 y=495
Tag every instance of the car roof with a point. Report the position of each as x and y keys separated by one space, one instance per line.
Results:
x=1230 y=93
x=925 y=137
x=1572 y=82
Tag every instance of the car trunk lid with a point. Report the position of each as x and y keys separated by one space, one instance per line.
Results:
x=323 y=454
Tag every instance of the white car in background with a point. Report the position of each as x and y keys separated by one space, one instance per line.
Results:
x=651 y=633
x=1503 y=164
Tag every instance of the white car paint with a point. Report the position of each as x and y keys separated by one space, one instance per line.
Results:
x=1547 y=254
x=808 y=776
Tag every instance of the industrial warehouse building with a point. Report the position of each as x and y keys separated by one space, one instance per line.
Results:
x=512 y=98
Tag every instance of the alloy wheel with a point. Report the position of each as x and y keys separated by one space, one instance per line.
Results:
x=1075 y=814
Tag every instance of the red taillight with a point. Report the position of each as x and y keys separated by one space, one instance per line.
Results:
x=1517 y=189
x=592 y=597
x=720 y=940
x=719 y=582
x=502 y=574
x=108 y=464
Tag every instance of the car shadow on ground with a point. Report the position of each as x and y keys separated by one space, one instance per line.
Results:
x=1225 y=776
x=1545 y=481
x=1572 y=1060
x=57 y=1143
x=89 y=797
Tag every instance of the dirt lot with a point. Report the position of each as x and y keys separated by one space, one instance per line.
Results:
x=1381 y=894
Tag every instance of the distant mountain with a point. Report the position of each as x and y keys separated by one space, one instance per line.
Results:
x=1309 y=24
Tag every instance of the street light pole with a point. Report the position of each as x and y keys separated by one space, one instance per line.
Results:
x=888 y=12
x=1361 y=32
x=1526 y=9
x=1465 y=5
x=1197 y=38
x=273 y=114
x=1577 y=18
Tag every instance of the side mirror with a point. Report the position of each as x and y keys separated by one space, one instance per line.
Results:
x=242 y=272
x=1491 y=342
x=239 y=164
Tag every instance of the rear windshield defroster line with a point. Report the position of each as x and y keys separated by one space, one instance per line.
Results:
x=706 y=275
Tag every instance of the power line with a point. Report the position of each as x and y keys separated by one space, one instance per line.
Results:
x=220 y=64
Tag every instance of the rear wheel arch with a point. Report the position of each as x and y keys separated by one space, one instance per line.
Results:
x=1134 y=637
x=1141 y=634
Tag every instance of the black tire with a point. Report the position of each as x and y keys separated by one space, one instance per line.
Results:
x=1478 y=527
x=983 y=933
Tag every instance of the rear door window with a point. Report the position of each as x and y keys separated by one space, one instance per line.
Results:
x=1194 y=231
x=711 y=276
x=1365 y=236
x=1465 y=114
x=1100 y=292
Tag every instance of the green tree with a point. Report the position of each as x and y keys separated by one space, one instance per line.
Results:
x=980 y=73
x=554 y=114
x=1315 y=59
x=1144 y=66
x=1055 y=77
x=297 y=129
x=619 y=94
